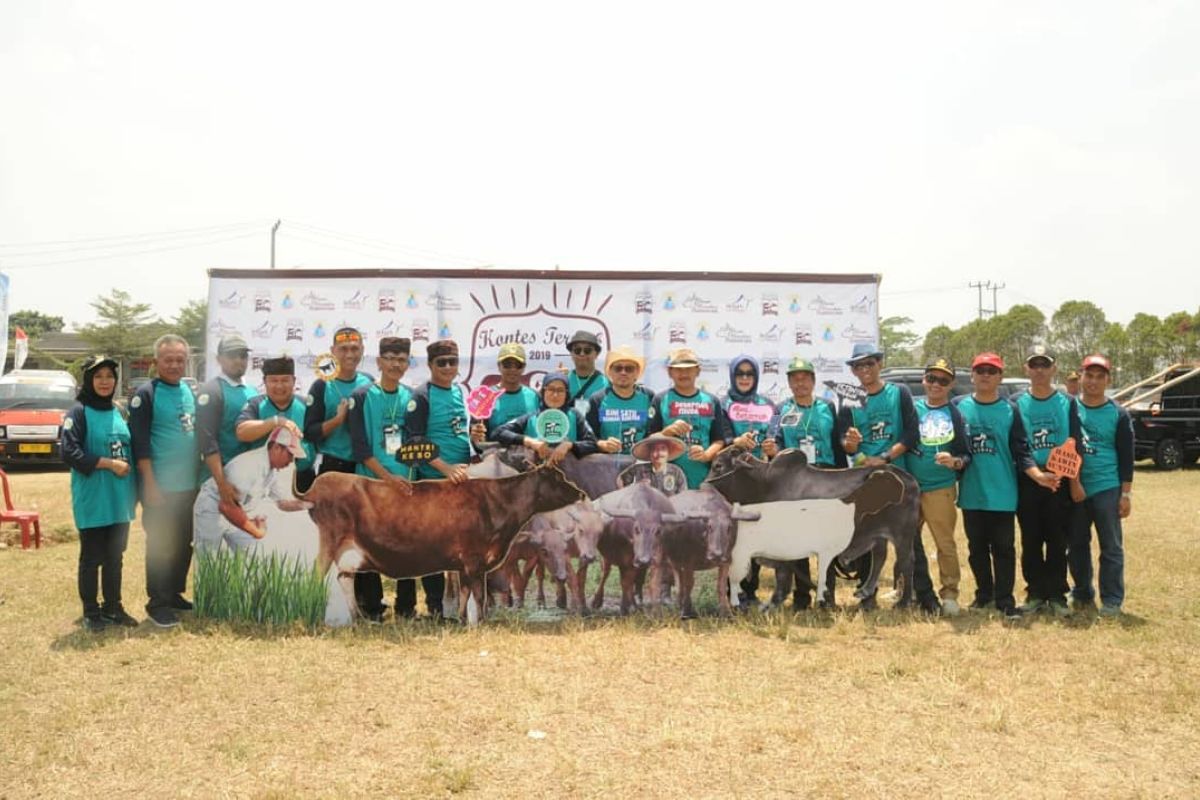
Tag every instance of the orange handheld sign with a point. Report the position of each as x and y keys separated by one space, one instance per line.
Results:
x=1064 y=460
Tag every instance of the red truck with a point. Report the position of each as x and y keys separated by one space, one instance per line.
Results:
x=32 y=405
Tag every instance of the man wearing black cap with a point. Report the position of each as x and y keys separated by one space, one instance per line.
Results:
x=1050 y=418
x=585 y=380
x=329 y=403
x=377 y=415
x=219 y=403
x=279 y=407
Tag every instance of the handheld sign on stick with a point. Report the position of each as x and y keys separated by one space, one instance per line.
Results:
x=750 y=412
x=482 y=399
x=552 y=426
x=1065 y=460
x=416 y=452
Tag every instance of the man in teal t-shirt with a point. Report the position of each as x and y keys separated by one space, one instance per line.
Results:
x=689 y=413
x=325 y=422
x=278 y=407
x=1106 y=484
x=162 y=426
x=516 y=399
x=620 y=414
x=988 y=492
x=584 y=380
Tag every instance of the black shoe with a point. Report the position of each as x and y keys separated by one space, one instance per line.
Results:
x=868 y=604
x=979 y=604
x=119 y=617
x=374 y=617
x=163 y=617
x=180 y=603
x=1012 y=612
x=801 y=602
x=94 y=623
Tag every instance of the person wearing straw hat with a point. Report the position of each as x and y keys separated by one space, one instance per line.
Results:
x=942 y=452
x=1050 y=418
x=554 y=431
x=619 y=414
x=654 y=454
x=516 y=399
x=687 y=412
x=1106 y=485
x=96 y=446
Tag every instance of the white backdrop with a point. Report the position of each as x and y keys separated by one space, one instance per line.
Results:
x=773 y=317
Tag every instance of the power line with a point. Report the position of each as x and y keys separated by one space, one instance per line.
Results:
x=132 y=252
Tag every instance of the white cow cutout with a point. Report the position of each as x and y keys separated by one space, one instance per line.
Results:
x=790 y=529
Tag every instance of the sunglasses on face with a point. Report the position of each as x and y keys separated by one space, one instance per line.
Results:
x=864 y=365
x=582 y=351
x=986 y=371
x=511 y=365
x=450 y=361
x=741 y=373
x=630 y=368
x=940 y=381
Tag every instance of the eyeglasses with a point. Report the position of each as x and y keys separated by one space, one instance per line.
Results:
x=1039 y=365
x=938 y=381
x=510 y=364
x=451 y=361
x=867 y=364
x=630 y=368
x=582 y=351
x=741 y=373
x=555 y=388
x=986 y=371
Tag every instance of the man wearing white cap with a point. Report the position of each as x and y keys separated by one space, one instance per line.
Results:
x=263 y=475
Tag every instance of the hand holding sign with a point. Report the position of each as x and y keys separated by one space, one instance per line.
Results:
x=1065 y=460
x=416 y=452
x=750 y=412
x=482 y=399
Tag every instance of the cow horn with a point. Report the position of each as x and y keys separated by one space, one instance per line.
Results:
x=740 y=513
x=618 y=514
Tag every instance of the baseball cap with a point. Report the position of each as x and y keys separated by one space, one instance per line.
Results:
x=232 y=343
x=940 y=365
x=1096 y=360
x=512 y=350
x=285 y=438
x=799 y=364
x=1039 y=352
x=988 y=360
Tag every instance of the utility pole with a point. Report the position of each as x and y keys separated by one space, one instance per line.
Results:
x=274 y=228
x=996 y=287
x=980 y=285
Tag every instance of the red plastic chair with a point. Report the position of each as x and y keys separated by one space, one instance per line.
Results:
x=28 y=520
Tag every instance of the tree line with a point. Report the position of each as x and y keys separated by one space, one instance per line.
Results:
x=1146 y=345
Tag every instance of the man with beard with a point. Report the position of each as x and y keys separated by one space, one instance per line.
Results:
x=620 y=414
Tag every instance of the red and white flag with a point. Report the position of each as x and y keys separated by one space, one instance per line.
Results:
x=22 y=349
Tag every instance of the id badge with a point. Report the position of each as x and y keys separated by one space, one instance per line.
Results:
x=391 y=439
x=809 y=448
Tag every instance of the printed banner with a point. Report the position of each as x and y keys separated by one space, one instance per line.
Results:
x=295 y=312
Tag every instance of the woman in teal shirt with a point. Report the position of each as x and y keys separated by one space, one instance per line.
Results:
x=96 y=447
x=541 y=433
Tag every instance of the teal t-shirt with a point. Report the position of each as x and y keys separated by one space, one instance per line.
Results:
x=446 y=427
x=920 y=463
x=699 y=410
x=337 y=444
x=811 y=426
x=623 y=419
x=261 y=407
x=989 y=483
x=575 y=384
x=102 y=498
x=1100 y=465
x=382 y=418
x=511 y=405
x=880 y=421
x=173 y=438
x=234 y=399
x=744 y=426
x=1047 y=422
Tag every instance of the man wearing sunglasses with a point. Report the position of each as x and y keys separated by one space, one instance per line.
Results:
x=584 y=380
x=517 y=399
x=879 y=431
x=1050 y=417
x=687 y=412
x=988 y=492
x=620 y=414
x=941 y=454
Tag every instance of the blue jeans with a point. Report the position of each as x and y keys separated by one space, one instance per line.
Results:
x=1100 y=510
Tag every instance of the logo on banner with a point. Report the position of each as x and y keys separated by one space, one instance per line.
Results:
x=710 y=365
x=668 y=302
x=256 y=362
x=702 y=333
x=794 y=304
x=221 y=328
x=356 y=301
x=828 y=364
x=262 y=302
x=442 y=302
x=391 y=329
x=387 y=300
x=770 y=365
x=824 y=307
x=677 y=333
x=857 y=334
x=264 y=331
x=698 y=305
x=295 y=331
x=646 y=332
x=643 y=303
x=411 y=302
x=803 y=333
x=772 y=334
x=315 y=302
x=287 y=301
x=319 y=331
x=863 y=305
x=231 y=300
x=827 y=333
x=733 y=335
x=420 y=330
x=444 y=331
x=738 y=304
x=770 y=305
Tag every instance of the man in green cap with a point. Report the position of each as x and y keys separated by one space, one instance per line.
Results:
x=517 y=399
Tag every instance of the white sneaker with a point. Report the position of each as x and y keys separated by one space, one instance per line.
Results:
x=950 y=608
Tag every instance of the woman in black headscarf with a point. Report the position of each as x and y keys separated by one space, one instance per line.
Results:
x=96 y=447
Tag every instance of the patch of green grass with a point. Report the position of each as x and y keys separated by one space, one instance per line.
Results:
x=274 y=589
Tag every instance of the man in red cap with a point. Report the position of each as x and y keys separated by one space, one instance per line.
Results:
x=1106 y=480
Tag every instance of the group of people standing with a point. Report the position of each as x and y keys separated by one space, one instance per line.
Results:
x=201 y=464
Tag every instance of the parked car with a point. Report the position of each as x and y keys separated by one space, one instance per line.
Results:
x=33 y=403
x=911 y=377
x=1167 y=429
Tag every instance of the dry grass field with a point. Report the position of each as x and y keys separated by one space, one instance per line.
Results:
x=774 y=705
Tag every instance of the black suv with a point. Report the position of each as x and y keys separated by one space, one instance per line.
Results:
x=911 y=377
x=1168 y=429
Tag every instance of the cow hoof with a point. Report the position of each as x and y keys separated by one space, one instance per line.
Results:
x=868 y=604
x=689 y=615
